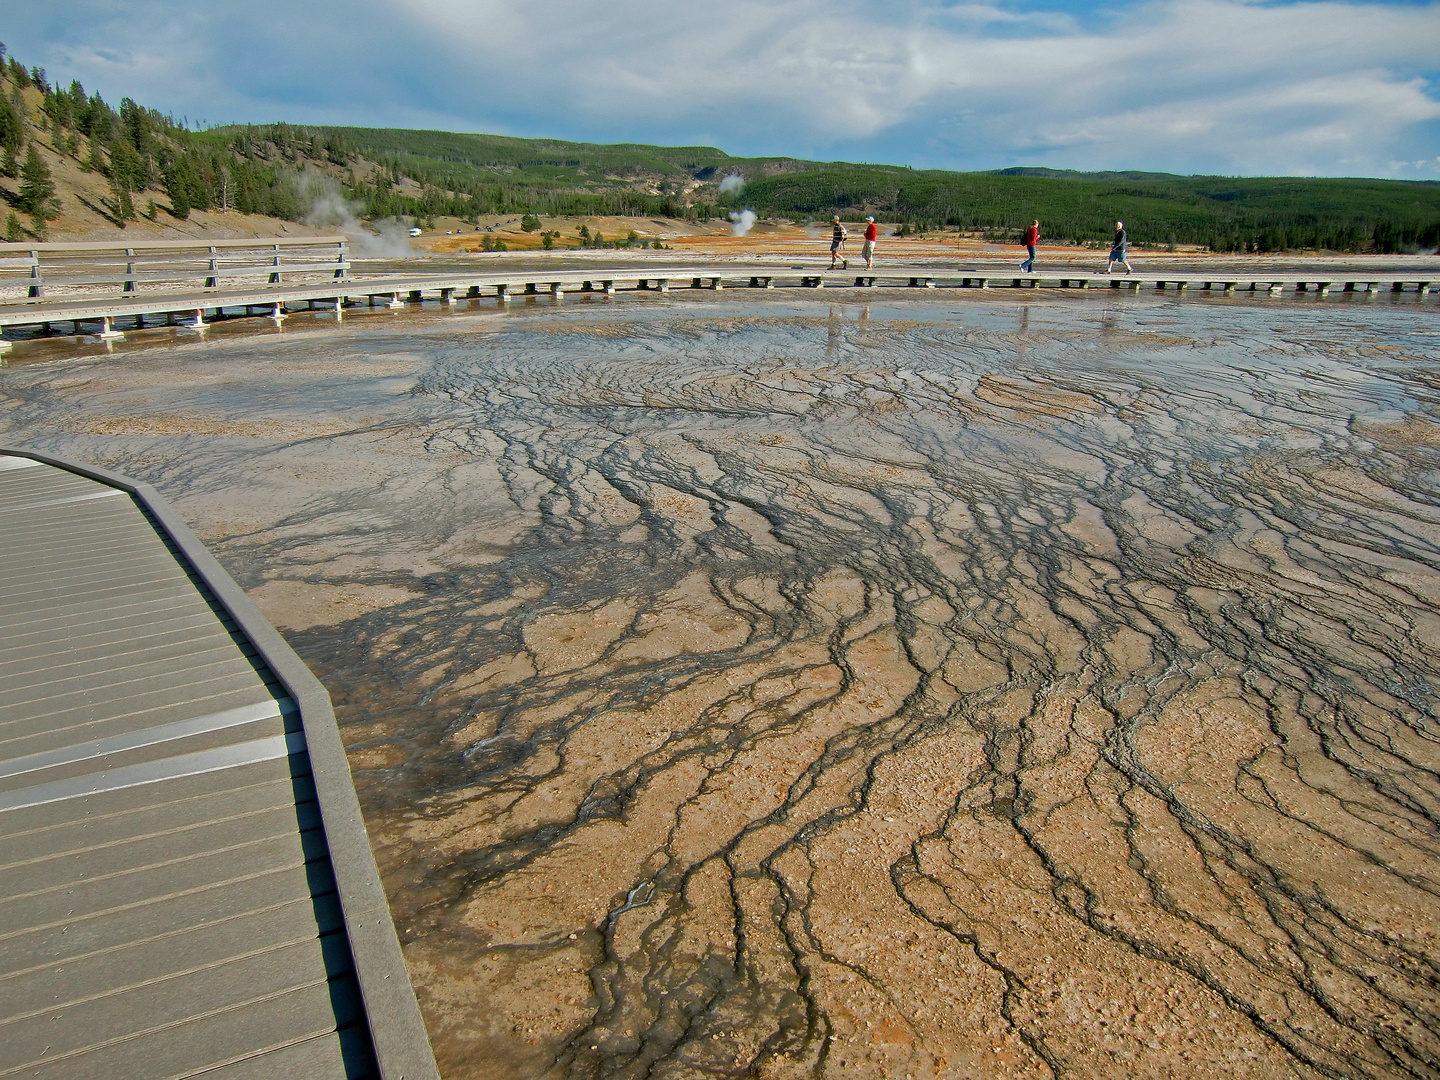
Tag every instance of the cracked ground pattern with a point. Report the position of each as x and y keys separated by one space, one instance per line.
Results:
x=786 y=689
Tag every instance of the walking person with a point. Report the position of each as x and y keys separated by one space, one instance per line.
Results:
x=1032 y=237
x=837 y=243
x=868 y=250
x=1119 y=249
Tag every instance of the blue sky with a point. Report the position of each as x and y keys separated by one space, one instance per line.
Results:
x=1248 y=87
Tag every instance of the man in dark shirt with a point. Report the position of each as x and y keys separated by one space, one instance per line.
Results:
x=1032 y=237
x=1119 y=249
x=837 y=243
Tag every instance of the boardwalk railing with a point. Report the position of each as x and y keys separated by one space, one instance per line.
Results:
x=472 y=283
x=77 y=271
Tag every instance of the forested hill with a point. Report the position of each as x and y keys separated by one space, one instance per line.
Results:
x=464 y=175
x=64 y=151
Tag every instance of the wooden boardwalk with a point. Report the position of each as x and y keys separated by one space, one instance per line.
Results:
x=102 y=313
x=187 y=887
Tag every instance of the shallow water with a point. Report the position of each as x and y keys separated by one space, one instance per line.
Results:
x=782 y=688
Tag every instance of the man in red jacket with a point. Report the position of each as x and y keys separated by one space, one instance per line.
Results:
x=868 y=251
x=1032 y=237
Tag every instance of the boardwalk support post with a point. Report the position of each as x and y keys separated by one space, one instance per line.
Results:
x=198 y=323
x=277 y=314
x=502 y=293
x=108 y=331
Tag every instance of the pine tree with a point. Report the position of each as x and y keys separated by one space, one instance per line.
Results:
x=12 y=131
x=120 y=195
x=36 y=186
x=13 y=235
x=11 y=165
x=125 y=164
x=96 y=161
x=179 y=192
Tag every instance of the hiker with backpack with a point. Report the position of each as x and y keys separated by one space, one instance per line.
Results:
x=838 y=236
x=1032 y=237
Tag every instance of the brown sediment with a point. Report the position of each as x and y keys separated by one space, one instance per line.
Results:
x=917 y=696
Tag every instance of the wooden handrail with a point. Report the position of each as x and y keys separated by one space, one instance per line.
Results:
x=173 y=245
x=127 y=278
x=80 y=265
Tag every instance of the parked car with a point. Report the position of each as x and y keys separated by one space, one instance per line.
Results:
x=415 y=230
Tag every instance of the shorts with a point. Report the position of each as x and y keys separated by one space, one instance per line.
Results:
x=868 y=251
x=835 y=245
x=1118 y=255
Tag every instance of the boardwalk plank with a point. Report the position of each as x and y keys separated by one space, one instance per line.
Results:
x=168 y=906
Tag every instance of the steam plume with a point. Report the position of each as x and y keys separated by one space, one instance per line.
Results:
x=326 y=207
x=744 y=221
x=732 y=184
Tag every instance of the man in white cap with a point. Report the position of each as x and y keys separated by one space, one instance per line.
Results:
x=838 y=235
x=867 y=252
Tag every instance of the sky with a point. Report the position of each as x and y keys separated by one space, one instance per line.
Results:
x=1229 y=87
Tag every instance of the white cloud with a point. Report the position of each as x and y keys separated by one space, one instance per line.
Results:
x=1203 y=85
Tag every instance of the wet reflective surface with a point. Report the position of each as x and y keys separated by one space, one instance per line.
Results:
x=767 y=687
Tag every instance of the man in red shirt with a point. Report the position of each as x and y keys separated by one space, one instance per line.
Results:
x=1032 y=237
x=868 y=251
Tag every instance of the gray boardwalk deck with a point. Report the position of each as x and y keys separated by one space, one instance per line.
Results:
x=450 y=286
x=184 y=887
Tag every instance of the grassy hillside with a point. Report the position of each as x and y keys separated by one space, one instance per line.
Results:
x=68 y=156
